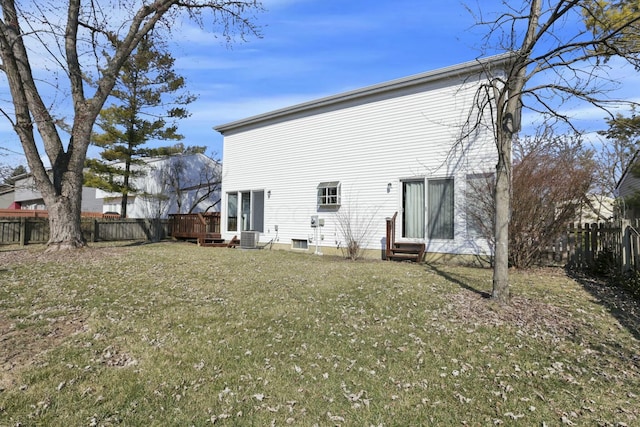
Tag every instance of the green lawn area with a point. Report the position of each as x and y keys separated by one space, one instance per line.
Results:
x=173 y=334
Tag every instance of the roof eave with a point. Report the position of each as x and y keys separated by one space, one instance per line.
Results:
x=465 y=68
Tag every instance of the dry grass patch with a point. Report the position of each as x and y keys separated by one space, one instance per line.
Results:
x=175 y=334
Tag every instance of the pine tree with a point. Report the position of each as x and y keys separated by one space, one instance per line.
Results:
x=146 y=85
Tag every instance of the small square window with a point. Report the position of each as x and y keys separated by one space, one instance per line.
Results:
x=329 y=193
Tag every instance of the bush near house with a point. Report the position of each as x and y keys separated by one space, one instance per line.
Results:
x=176 y=334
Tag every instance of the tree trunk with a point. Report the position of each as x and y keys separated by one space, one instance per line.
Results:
x=62 y=194
x=64 y=226
x=502 y=218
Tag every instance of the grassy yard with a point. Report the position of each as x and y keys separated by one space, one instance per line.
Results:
x=172 y=334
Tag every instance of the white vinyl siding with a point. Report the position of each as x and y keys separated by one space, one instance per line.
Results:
x=365 y=145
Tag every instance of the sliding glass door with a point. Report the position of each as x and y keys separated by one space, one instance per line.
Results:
x=428 y=209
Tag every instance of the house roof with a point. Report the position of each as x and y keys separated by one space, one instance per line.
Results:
x=627 y=170
x=463 y=69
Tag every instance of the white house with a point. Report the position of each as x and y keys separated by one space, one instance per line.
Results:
x=363 y=155
x=169 y=184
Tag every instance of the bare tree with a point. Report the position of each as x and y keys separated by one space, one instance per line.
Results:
x=192 y=183
x=555 y=57
x=552 y=176
x=355 y=225
x=73 y=35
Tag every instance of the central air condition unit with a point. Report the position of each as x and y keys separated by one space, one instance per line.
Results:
x=249 y=239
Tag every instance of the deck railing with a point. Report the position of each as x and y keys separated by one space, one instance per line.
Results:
x=192 y=226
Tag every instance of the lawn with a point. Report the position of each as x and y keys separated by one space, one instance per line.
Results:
x=173 y=334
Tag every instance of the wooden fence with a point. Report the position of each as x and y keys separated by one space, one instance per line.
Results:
x=25 y=230
x=582 y=246
x=618 y=241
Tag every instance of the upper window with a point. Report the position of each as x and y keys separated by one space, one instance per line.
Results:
x=329 y=193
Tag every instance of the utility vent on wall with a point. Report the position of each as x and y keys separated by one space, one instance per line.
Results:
x=249 y=239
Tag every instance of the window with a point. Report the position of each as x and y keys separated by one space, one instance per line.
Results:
x=232 y=212
x=479 y=204
x=299 y=244
x=430 y=211
x=250 y=211
x=329 y=193
x=413 y=209
x=440 y=208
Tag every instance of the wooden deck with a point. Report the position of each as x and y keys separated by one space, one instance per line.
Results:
x=201 y=228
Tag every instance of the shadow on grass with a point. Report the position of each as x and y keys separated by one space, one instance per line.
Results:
x=459 y=280
x=619 y=302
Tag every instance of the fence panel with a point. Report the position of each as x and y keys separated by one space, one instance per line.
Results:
x=9 y=231
x=618 y=240
x=130 y=229
x=37 y=230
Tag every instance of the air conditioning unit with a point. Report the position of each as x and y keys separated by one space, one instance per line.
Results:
x=249 y=239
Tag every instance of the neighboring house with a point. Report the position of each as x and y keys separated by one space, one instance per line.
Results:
x=6 y=196
x=169 y=184
x=174 y=184
x=363 y=155
x=597 y=208
x=28 y=196
x=627 y=191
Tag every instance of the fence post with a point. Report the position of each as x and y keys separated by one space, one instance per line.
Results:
x=596 y=238
x=588 y=250
x=625 y=243
x=580 y=246
x=94 y=231
x=23 y=231
x=570 y=245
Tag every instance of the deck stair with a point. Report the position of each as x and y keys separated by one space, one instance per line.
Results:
x=402 y=251
x=211 y=239
x=215 y=240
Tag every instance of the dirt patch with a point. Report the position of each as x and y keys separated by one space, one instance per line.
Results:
x=526 y=314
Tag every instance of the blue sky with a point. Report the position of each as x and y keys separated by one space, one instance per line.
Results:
x=312 y=49
x=315 y=48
